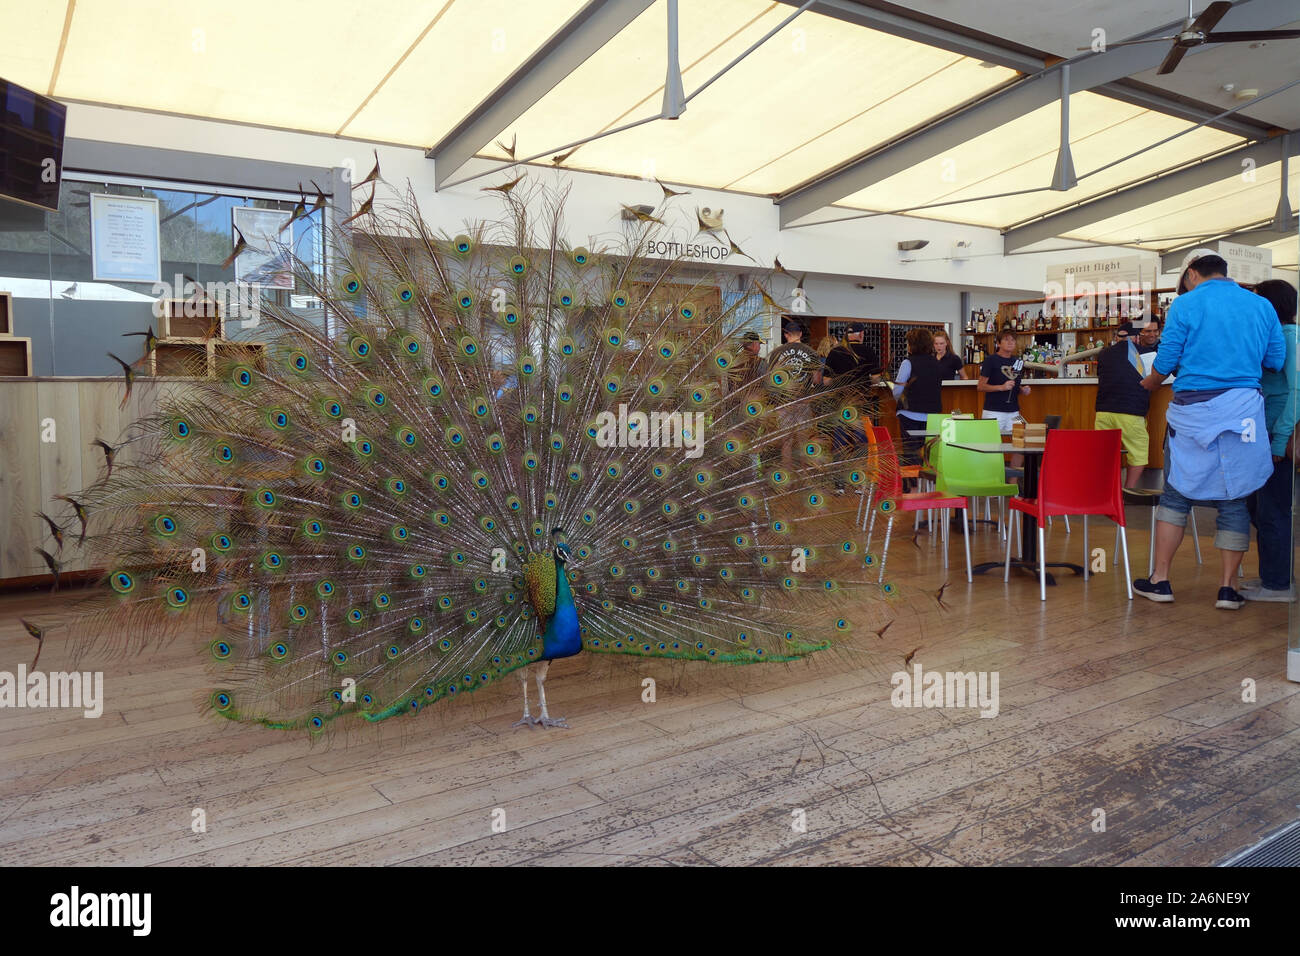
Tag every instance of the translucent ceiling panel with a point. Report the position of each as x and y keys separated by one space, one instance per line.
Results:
x=1021 y=155
x=389 y=70
x=1286 y=252
x=817 y=93
x=30 y=41
x=1226 y=206
x=469 y=52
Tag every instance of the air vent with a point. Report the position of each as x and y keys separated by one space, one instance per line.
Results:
x=1281 y=849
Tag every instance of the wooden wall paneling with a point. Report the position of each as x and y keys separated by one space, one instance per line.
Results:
x=20 y=481
x=1160 y=400
x=61 y=463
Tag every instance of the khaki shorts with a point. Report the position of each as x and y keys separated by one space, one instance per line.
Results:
x=1134 y=435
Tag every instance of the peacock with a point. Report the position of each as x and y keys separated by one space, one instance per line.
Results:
x=483 y=452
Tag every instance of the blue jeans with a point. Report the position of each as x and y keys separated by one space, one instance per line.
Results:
x=1232 y=528
x=1270 y=510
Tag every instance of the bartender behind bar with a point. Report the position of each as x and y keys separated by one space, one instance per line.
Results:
x=1122 y=402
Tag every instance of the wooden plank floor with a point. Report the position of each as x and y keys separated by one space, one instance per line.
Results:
x=1130 y=708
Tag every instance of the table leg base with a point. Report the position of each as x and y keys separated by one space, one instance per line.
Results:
x=1030 y=566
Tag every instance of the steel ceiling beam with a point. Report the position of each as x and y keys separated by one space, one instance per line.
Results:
x=586 y=32
x=1098 y=72
x=1203 y=173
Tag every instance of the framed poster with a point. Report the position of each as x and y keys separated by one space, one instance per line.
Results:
x=267 y=260
x=125 y=241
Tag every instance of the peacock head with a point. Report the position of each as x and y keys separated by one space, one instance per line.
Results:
x=560 y=549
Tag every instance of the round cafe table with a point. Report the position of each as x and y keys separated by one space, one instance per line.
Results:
x=1028 y=524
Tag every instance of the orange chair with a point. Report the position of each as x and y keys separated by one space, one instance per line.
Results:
x=1079 y=476
x=889 y=477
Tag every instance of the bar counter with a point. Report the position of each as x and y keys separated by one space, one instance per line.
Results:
x=1074 y=399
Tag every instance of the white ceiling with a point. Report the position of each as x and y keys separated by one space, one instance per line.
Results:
x=1059 y=27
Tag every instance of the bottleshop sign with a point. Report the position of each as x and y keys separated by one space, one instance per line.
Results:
x=713 y=251
x=1248 y=265
x=1101 y=276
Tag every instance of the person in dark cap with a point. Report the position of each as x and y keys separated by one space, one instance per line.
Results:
x=852 y=361
x=1122 y=402
x=851 y=364
x=752 y=364
x=803 y=365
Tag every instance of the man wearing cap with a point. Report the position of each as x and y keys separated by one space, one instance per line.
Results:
x=852 y=363
x=803 y=366
x=1217 y=338
x=752 y=365
x=1122 y=402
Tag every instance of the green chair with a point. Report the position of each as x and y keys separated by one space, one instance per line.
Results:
x=973 y=473
x=933 y=454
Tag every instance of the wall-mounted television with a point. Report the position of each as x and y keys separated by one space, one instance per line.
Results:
x=31 y=146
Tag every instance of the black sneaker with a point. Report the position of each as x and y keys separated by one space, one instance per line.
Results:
x=1229 y=599
x=1160 y=592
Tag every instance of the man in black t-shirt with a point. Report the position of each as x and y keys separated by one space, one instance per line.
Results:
x=1122 y=402
x=851 y=364
x=853 y=358
x=802 y=363
x=804 y=367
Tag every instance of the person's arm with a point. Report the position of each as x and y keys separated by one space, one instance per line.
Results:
x=1276 y=354
x=1285 y=426
x=1172 y=342
x=904 y=376
x=984 y=386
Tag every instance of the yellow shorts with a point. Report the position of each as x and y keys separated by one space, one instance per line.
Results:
x=1134 y=432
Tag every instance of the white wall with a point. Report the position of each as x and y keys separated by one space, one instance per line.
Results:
x=860 y=250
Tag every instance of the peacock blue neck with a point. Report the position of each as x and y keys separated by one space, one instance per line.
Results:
x=563 y=635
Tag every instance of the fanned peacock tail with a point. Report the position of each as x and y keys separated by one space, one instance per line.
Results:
x=345 y=517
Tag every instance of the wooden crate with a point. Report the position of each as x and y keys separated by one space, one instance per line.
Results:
x=6 y=313
x=252 y=354
x=15 y=356
x=181 y=360
x=193 y=318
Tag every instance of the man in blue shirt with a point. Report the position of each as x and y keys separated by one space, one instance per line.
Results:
x=1217 y=337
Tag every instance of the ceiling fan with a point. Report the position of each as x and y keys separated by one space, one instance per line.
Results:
x=1197 y=31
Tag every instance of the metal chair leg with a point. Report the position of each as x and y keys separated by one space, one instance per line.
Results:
x=944 y=512
x=965 y=536
x=884 y=552
x=1087 y=558
x=1128 y=575
x=1196 y=538
x=1067 y=522
x=1006 y=570
x=1042 y=564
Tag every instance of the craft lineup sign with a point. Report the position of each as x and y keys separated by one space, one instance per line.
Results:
x=1248 y=265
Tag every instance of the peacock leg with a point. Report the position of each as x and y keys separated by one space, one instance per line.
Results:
x=527 y=718
x=544 y=719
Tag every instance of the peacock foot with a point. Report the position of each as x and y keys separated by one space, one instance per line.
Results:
x=527 y=720
x=553 y=722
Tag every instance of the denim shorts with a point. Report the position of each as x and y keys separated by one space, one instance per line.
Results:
x=1232 y=529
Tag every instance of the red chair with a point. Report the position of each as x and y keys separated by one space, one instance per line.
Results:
x=1080 y=476
x=892 y=498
